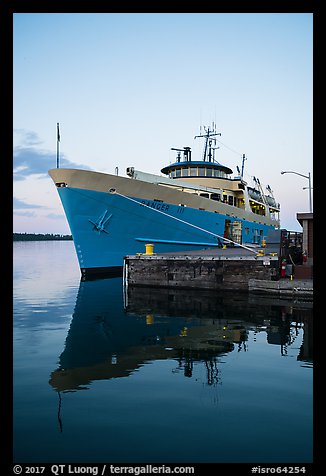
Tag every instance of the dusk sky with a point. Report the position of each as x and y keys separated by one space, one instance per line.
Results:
x=126 y=87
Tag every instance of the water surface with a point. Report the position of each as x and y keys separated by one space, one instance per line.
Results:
x=103 y=375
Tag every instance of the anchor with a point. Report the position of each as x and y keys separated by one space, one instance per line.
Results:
x=101 y=222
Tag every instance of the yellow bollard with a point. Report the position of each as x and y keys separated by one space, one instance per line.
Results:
x=263 y=242
x=149 y=248
x=149 y=319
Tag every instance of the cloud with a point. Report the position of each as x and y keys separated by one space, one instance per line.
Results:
x=20 y=204
x=31 y=160
x=27 y=137
x=25 y=214
x=55 y=216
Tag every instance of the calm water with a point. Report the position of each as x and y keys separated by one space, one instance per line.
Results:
x=154 y=376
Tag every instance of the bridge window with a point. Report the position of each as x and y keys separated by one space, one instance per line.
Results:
x=209 y=172
x=193 y=171
x=201 y=171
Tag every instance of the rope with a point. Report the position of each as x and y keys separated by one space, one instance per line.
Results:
x=183 y=221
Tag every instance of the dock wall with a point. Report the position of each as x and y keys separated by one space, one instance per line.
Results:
x=283 y=288
x=189 y=272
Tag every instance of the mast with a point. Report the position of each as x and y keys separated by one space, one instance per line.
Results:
x=242 y=167
x=58 y=141
x=208 y=142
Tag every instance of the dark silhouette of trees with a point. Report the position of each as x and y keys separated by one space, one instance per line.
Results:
x=39 y=237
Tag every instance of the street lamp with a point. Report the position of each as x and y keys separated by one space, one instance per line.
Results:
x=305 y=176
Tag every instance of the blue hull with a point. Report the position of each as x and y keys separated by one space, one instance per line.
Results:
x=106 y=227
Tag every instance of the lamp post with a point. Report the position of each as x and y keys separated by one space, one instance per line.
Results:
x=309 y=186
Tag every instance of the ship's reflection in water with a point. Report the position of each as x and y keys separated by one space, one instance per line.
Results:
x=114 y=333
x=172 y=375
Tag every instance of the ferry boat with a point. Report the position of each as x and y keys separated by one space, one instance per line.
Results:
x=195 y=204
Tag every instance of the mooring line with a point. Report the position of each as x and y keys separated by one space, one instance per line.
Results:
x=113 y=191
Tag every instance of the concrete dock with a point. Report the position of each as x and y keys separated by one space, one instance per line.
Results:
x=295 y=288
x=233 y=268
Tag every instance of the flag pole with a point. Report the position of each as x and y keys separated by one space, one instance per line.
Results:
x=58 y=140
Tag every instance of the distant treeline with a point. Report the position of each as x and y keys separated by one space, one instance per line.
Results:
x=39 y=237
